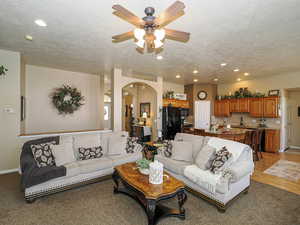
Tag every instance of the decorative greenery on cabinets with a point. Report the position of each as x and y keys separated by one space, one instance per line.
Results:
x=67 y=99
x=241 y=93
x=3 y=70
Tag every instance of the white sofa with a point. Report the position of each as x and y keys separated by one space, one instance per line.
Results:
x=81 y=172
x=229 y=188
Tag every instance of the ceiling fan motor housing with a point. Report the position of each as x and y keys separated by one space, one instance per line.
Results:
x=149 y=19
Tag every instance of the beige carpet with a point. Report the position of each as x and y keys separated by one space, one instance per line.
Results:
x=97 y=205
x=286 y=169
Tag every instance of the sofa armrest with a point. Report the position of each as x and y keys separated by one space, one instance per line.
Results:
x=38 y=175
x=240 y=169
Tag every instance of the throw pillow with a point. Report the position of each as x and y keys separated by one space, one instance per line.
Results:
x=222 y=160
x=205 y=157
x=182 y=151
x=117 y=145
x=63 y=154
x=131 y=143
x=42 y=154
x=167 y=148
x=90 y=153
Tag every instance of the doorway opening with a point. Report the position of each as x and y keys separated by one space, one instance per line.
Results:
x=292 y=119
x=139 y=111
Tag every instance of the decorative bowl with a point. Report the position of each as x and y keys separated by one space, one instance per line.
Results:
x=144 y=171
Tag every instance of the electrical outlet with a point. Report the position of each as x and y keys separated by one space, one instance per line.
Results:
x=253 y=121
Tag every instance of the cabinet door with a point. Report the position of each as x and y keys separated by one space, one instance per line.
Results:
x=234 y=105
x=271 y=107
x=256 y=107
x=217 y=108
x=244 y=105
x=225 y=111
x=272 y=140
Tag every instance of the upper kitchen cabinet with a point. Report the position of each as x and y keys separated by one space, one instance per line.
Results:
x=256 y=107
x=222 y=108
x=244 y=105
x=271 y=107
x=234 y=105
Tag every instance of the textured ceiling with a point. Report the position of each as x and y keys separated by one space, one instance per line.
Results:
x=259 y=37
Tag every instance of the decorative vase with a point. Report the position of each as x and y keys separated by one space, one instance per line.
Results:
x=156 y=172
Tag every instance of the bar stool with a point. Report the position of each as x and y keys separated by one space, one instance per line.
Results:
x=257 y=139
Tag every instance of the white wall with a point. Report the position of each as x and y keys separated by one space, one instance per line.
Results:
x=42 y=116
x=10 y=122
x=177 y=88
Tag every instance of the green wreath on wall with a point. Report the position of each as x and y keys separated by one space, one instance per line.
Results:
x=67 y=99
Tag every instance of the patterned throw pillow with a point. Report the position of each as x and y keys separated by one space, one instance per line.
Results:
x=90 y=153
x=42 y=154
x=131 y=143
x=223 y=158
x=167 y=148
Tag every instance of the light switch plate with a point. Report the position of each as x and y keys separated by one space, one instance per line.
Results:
x=9 y=110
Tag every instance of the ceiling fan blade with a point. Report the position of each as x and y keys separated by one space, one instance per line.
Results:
x=127 y=15
x=123 y=37
x=177 y=35
x=170 y=14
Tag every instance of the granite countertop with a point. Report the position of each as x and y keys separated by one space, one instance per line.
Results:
x=231 y=131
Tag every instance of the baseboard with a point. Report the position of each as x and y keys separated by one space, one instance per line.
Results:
x=295 y=147
x=9 y=171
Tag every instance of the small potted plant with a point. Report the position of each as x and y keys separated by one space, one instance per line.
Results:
x=143 y=165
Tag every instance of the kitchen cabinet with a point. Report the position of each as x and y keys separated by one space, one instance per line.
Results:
x=176 y=103
x=244 y=106
x=256 y=107
x=234 y=105
x=272 y=140
x=221 y=108
x=271 y=107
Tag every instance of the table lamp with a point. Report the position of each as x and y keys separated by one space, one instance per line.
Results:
x=145 y=117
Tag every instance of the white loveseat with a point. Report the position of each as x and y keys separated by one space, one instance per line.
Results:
x=81 y=172
x=227 y=188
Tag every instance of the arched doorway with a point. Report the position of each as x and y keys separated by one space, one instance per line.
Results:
x=139 y=110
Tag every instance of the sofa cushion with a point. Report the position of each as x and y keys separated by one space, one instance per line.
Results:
x=42 y=154
x=87 y=140
x=91 y=165
x=117 y=144
x=182 y=151
x=172 y=165
x=90 y=153
x=222 y=160
x=72 y=168
x=125 y=158
x=205 y=157
x=196 y=139
x=63 y=153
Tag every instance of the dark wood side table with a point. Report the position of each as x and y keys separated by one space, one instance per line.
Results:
x=137 y=186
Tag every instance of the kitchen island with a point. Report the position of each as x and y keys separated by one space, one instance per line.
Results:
x=234 y=134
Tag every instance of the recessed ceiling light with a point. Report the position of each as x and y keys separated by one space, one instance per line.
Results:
x=159 y=57
x=246 y=74
x=216 y=79
x=40 y=23
x=178 y=76
x=195 y=80
x=223 y=64
x=239 y=79
x=195 y=71
x=131 y=85
x=28 y=37
x=236 y=70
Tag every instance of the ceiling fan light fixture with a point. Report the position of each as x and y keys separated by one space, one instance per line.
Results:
x=158 y=43
x=139 y=33
x=140 y=43
x=160 y=34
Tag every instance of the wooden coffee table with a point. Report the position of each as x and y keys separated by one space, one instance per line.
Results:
x=137 y=186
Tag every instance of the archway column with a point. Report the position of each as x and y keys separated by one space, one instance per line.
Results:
x=118 y=82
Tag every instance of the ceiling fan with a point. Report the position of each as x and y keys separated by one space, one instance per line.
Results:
x=150 y=31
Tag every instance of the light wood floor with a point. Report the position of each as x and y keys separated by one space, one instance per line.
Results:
x=268 y=160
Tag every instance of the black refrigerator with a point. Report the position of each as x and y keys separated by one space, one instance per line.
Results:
x=172 y=121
